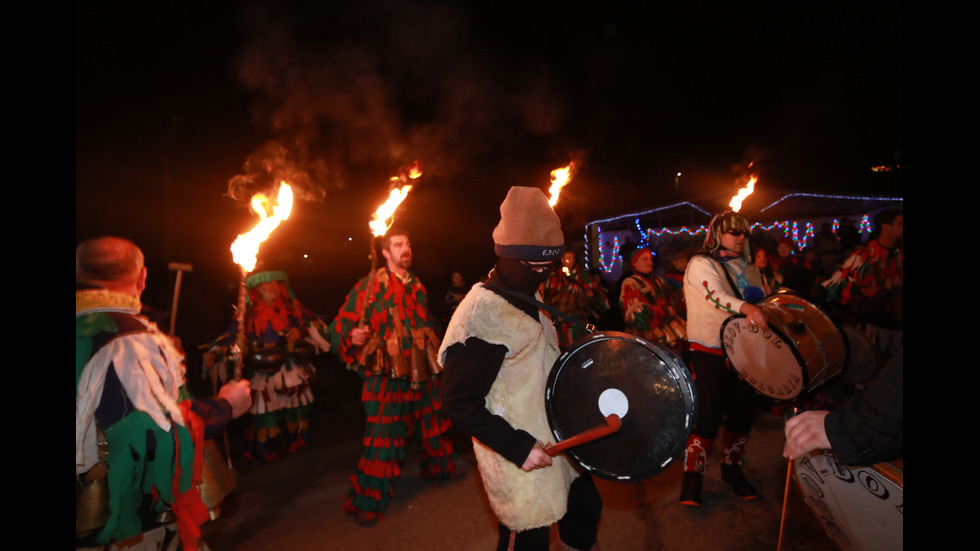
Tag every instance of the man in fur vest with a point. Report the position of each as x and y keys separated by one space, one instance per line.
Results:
x=497 y=353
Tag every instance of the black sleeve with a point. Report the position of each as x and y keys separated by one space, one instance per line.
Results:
x=870 y=428
x=469 y=370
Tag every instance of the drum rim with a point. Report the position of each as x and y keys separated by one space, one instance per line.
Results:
x=673 y=363
x=796 y=351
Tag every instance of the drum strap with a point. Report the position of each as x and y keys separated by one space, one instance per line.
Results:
x=728 y=275
x=527 y=299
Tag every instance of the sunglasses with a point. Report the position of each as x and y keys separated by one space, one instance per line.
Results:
x=738 y=233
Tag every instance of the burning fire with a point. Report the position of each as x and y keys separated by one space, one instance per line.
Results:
x=559 y=178
x=381 y=219
x=246 y=246
x=736 y=202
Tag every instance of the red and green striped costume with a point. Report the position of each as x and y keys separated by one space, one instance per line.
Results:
x=393 y=409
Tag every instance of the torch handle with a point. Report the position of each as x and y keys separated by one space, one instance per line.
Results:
x=612 y=424
x=241 y=338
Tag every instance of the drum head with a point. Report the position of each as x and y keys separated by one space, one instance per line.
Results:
x=767 y=360
x=648 y=386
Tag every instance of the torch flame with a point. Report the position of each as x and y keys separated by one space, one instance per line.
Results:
x=415 y=171
x=736 y=202
x=559 y=178
x=380 y=219
x=246 y=246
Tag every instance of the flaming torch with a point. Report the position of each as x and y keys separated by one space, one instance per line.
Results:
x=744 y=192
x=246 y=247
x=382 y=218
x=559 y=178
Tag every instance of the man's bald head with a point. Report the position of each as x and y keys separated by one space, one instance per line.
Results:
x=112 y=263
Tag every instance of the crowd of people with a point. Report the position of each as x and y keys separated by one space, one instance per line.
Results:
x=482 y=370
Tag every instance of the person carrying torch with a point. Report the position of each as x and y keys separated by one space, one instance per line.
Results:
x=282 y=336
x=385 y=332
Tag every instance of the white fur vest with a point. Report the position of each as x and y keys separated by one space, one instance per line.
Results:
x=521 y=500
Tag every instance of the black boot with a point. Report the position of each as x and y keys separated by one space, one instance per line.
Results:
x=733 y=476
x=691 y=489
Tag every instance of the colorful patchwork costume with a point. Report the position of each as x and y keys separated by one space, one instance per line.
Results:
x=399 y=393
x=577 y=293
x=135 y=431
x=283 y=336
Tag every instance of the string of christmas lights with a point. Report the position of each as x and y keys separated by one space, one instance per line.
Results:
x=790 y=229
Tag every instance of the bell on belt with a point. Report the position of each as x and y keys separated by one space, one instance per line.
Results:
x=646 y=386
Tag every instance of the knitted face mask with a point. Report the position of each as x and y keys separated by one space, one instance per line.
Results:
x=520 y=277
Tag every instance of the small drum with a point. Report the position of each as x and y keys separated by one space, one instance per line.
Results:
x=860 y=508
x=646 y=385
x=802 y=349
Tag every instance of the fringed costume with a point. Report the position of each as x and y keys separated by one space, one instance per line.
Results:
x=135 y=433
x=647 y=311
x=870 y=286
x=399 y=367
x=282 y=338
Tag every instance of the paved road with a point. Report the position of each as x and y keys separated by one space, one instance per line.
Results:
x=294 y=502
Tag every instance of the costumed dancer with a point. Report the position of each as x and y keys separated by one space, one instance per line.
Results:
x=139 y=439
x=498 y=353
x=385 y=332
x=870 y=284
x=282 y=338
x=721 y=280
x=577 y=293
x=645 y=300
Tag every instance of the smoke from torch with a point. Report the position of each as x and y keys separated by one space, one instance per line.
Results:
x=560 y=177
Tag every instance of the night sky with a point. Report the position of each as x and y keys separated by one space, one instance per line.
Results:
x=175 y=100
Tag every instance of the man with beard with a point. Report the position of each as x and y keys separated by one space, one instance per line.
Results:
x=498 y=351
x=385 y=333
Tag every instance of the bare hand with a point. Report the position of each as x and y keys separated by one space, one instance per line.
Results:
x=754 y=317
x=537 y=459
x=293 y=334
x=239 y=395
x=359 y=336
x=805 y=433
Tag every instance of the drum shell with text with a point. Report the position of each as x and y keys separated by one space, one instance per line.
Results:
x=802 y=349
x=656 y=386
x=860 y=508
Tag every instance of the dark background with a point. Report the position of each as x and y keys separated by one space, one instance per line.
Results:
x=176 y=100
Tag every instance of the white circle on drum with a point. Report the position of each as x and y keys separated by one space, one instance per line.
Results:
x=612 y=400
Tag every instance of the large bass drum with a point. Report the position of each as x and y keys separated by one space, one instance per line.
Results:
x=860 y=508
x=802 y=349
x=647 y=385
